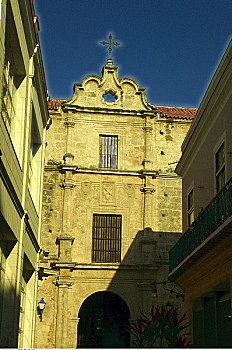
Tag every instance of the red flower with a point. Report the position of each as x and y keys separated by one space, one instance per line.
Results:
x=168 y=313
x=154 y=316
x=182 y=342
x=139 y=325
x=182 y=318
x=175 y=321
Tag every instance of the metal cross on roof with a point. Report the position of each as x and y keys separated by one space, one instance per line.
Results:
x=110 y=44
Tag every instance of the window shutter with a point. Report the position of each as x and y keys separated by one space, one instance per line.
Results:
x=108 y=150
x=106 y=238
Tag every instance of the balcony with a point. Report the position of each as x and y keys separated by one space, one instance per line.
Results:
x=204 y=228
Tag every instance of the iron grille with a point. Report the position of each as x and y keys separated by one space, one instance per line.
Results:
x=207 y=222
x=106 y=238
x=108 y=151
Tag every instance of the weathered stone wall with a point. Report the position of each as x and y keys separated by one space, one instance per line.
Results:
x=166 y=139
x=146 y=194
x=91 y=192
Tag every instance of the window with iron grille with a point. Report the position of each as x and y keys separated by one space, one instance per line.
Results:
x=220 y=168
x=108 y=151
x=106 y=238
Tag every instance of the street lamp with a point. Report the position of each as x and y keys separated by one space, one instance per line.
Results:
x=40 y=308
x=164 y=285
x=98 y=324
x=155 y=294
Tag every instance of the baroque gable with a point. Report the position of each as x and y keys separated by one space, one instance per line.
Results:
x=126 y=93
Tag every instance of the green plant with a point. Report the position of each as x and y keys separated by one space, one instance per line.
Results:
x=160 y=328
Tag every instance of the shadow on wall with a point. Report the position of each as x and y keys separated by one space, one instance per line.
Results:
x=9 y=302
x=131 y=289
x=146 y=262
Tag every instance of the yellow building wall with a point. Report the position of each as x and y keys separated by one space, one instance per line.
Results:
x=20 y=211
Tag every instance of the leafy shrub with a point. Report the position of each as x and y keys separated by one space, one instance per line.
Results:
x=160 y=328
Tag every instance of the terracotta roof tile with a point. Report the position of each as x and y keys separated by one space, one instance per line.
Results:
x=54 y=104
x=177 y=112
x=166 y=111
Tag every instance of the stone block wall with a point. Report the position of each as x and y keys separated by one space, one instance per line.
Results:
x=143 y=190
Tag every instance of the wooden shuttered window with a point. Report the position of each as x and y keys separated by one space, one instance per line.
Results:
x=108 y=151
x=106 y=238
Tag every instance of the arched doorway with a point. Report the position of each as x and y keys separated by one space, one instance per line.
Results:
x=104 y=322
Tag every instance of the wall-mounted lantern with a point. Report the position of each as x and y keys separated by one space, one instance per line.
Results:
x=40 y=308
x=154 y=292
x=98 y=324
x=163 y=284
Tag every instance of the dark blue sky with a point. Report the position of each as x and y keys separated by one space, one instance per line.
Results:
x=171 y=47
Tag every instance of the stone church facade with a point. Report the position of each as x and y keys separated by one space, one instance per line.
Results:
x=111 y=210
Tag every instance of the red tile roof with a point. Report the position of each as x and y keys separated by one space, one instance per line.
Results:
x=177 y=112
x=54 y=104
x=168 y=112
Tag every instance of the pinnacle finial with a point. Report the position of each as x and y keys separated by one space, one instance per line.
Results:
x=110 y=43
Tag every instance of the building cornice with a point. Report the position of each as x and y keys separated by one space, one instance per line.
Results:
x=207 y=113
x=140 y=173
x=35 y=24
x=77 y=266
x=105 y=110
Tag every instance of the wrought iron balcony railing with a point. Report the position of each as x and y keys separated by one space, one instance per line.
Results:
x=214 y=215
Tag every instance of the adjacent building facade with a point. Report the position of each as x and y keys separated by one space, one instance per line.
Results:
x=111 y=210
x=201 y=260
x=23 y=120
